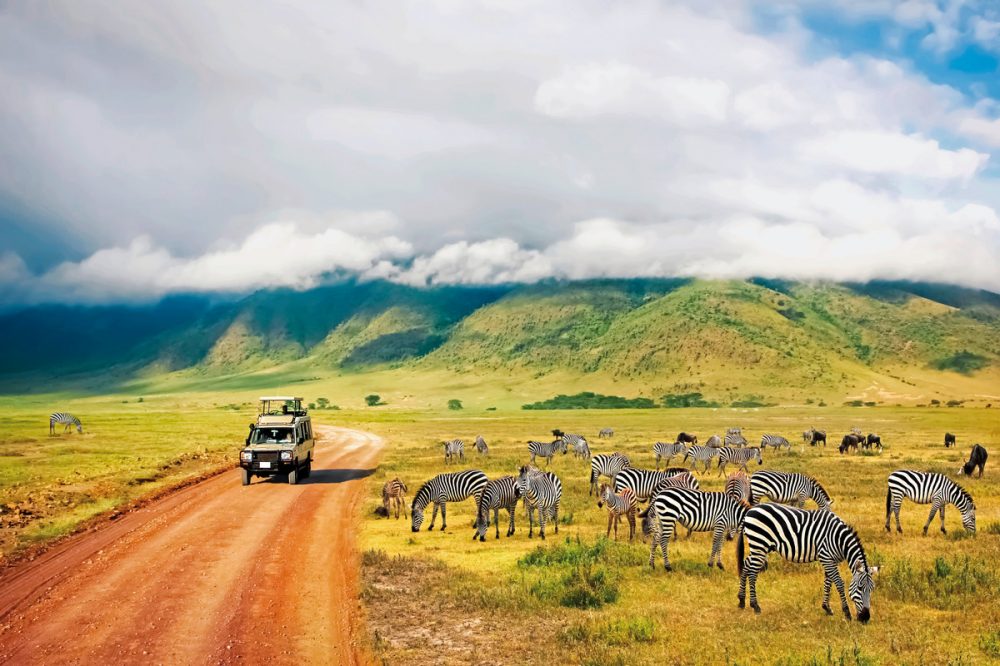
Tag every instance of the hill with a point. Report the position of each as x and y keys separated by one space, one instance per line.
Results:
x=729 y=340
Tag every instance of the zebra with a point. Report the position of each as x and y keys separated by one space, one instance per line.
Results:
x=444 y=488
x=644 y=482
x=775 y=442
x=928 y=488
x=738 y=486
x=788 y=488
x=606 y=433
x=65 y=419
x=714 y=442
x=739 y=457
x=606 y=464
x=683 y=479
x=542 y=491
x=619 y=504
x=501 y=493
x=700 y=454
x=805 y=536
x=814 y=436
x=454 y=449
x=734 y=438
x=481 y=446
x=579 y=443
x=699 y=512
x=394 y=494
x=668 y=451
x=546 y=449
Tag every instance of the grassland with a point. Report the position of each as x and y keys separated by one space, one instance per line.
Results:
x=442 y=597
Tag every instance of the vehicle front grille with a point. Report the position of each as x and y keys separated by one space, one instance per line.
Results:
x=266 y=456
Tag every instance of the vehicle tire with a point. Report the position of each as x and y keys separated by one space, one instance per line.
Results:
x=308 y=469
x=293 y=476
x=245 y=474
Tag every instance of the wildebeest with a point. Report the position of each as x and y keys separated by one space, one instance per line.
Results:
x=850 y=442
x=949 y=440
x=872 y=440
x=687 y=439
x=977 y=458
x=814 y=436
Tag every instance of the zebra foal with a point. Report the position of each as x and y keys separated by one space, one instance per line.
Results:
x=394 y=494
x=619 y=504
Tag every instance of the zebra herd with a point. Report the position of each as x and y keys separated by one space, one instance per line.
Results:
x=764 y=510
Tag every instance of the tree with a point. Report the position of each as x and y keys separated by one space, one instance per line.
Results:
x=373 y=399
x=455 y=404
x=323 y=403
x=312 y=405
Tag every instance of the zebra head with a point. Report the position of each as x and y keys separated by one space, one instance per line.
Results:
x=760 y=461
x=861 y=588
x=560 y=445
x=482 y=524
x=602 y=495
x=416 y=518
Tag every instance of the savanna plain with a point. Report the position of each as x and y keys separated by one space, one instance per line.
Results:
x=577 y=597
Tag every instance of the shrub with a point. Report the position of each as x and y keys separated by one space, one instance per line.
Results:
x=140 y=400
x=680 y=400
x=373 y=400
x=579 y=575
x=963 y=362
x=590 y=400
x=323 y=403
x=853 y=403
x=455 y=404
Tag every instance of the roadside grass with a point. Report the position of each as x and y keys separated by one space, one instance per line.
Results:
x=937 y=598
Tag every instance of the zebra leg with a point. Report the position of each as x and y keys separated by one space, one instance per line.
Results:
x=444 y=516
x=834 y=574
x=555 y=516
x=720 y=531
x=941 y=511
x=611 y=517
x=434 y=515
x=896 y=506
x=496 y=520
x=668 y=533
x=531 y=522
x=935 y=507
x=658 y=462
x=756 y=564
x=653 y=543
x=631 y=525
x=541 y=522
x=827 y=584
x=510 y=514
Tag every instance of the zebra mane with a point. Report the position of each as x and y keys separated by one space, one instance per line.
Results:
x=423 y=494
x=819 y=486
x=964 y=493
x=857 y=539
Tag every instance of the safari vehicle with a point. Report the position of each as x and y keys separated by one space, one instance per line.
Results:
x=281 y=442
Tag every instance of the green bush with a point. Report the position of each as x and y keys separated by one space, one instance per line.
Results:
x=590 y=400
x=455 y=404
x=683 y=400
x=854 y=403
x=964 y=362
x=373 y=400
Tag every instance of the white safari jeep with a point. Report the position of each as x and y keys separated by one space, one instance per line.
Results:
x=281 y=442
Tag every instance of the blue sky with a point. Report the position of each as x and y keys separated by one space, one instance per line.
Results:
x=173 y=148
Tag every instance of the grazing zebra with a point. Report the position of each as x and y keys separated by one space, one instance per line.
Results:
x=739 y=457
x=606 y=433
x=814 y=436
x=788 y=488
x=775 y=442
x=542 y=491
x=699 y=512
x=644 y=482
x=620 y=504
x=928 y=488
x=64 y=419
x=714 y=442
x=481 y=446
x=738 y=486
x=700 y=454
x=454 y=449
x=735 y=438
x=394 y=493
x=579 y=443
x=606 y=464
x=683 y=479
x=444 y=488
x=501 y=493
x=687 y=439
x=546 y=449
x=667 y=451
x=805 y=536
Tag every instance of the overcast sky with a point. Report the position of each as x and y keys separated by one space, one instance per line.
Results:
x=155 y=148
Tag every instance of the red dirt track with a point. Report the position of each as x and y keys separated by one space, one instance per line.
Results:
x=214 y=573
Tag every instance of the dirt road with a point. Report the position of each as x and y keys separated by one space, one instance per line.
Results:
x=212 y=574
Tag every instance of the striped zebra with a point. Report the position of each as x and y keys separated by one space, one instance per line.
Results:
x=666 y=451
x=454 y=449
x=606 y=464
x=444 y=488
x=700 y=454
x=928 y=488
x=788 y=488
x=805 y=536
x=714 y=442
x=735 y=438
x=64 y=419
x=739 y=457
x=481 y=446
x=738 y=486
x=546 y=449
x=541 y=491
x=579 y=443
x=684 y=479
x=619 y=504
x=775 y=442
x=501 y=493
x=394 y=494
x=699 y=512
x=606 y=433
x=644 y=482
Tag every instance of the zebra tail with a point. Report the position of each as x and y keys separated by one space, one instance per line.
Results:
x=888 y=502
x=740 y=550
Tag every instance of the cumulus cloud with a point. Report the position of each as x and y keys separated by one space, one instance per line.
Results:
x=170 y=148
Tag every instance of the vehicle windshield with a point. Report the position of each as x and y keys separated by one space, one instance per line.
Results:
x=272 y=436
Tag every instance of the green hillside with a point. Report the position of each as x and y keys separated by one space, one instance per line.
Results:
x=729 y=340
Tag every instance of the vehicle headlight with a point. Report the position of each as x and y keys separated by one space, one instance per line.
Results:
x=286 y=455
x=246 y=456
